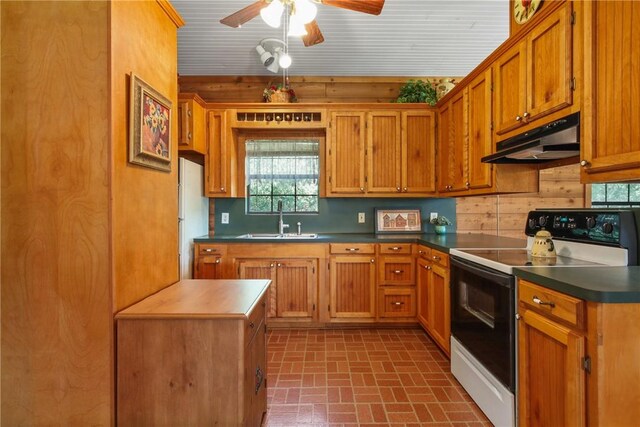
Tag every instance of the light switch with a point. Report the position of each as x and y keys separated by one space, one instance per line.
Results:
x=225 y=218
x=361 y=218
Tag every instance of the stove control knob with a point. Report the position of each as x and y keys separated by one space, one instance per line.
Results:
x=591 y=222
x=542 y=221
x=607 y=227
x=532 y=223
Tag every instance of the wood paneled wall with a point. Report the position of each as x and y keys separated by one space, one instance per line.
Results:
x=84 y=233
x=145 y=201
x=505 y=215
x=308 y=89
x=56 y=272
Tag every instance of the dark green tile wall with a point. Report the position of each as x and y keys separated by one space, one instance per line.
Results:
x=335 y=216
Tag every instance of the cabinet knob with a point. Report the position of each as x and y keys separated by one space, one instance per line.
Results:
x=218 y=261
x=525 y=115
x=397 y=303
x=467 y=184
x=518 y=118
x=189 y=113
x=584 y=163
x=208 y=250
x=221 y=188
x=373 y=260
x=279 y=265
x=405 y=189
x=398 y=189
x=420 y=252
x=189 y=135
x=395 y=248
x=436 y=257
x=352 y=249
x=398 y=271
x=362 y=189
x=271 y=265
x=518 y=317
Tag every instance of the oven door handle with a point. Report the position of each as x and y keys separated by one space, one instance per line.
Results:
x=498 y=277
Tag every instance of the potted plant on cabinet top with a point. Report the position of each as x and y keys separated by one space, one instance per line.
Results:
x=440 y=222
x=418 y=91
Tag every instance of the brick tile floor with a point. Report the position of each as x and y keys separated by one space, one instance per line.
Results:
x=362 y=377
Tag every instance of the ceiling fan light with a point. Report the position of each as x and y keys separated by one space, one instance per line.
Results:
x=285 y=60
x=272 y=14
x=305 y=10
x=296 y=26
x=275 y=66
x=265 y=57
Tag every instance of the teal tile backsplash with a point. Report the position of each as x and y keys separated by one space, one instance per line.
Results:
x=336 y=215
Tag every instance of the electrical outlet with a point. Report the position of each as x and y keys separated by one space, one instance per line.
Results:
x=225 y=218
x=361 y=218
x=433 y=215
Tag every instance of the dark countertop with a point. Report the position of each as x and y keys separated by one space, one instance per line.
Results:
x=442 y=242
x=598 y=284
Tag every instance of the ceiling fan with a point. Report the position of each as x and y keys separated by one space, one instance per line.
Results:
x=310 y=32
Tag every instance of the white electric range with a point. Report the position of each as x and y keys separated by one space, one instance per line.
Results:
x=484 y=295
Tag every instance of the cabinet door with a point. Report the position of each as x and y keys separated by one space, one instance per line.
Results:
x=439 y=310
x=445 y=128
x=397 y=302
x=256 y=378
x=208 y=267
x=418 y=152
x=296 y=281
x=217 y=161
x=261 y=269
x=549 y=60
x=480 y=142
x=353 y=285
x=510 y=87
x=383 y=152
x=346 y=153
x=423 y=276
x=551 y=378
x=458 y=142
x=611 y=143
x=185 y=123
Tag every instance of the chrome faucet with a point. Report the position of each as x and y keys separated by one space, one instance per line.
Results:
x=281 y=224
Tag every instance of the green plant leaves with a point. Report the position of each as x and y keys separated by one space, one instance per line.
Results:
x=418 y=91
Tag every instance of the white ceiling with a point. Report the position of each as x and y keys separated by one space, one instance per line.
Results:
x=409 y=38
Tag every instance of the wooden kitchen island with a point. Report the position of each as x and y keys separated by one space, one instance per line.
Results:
x=194 y=354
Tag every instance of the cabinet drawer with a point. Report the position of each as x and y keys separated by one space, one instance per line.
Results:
x=396 y=270
x=439 y=258
x=424 y=252
x=255 y=320
x=395 y=302
x=352 y=248
x=394 y=248
x=553 y=304
x=210 y=249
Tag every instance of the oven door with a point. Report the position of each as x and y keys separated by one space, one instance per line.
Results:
x=482 y=316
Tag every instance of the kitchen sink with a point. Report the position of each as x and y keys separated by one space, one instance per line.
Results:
x=286 y=236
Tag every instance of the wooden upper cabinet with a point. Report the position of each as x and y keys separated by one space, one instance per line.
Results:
x=480 y=142
x=217 y=162
x=418 y=152
x=192 y=133
x=346 y=153
x=533 y=78
x=383 y=152
x=452 y=144
x=611 y=132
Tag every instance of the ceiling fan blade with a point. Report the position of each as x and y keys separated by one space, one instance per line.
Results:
x=372 y=7
x=314 y=35
x=244 y=15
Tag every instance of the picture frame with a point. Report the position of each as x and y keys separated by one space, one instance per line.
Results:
x=149 y=126
x=398 y=221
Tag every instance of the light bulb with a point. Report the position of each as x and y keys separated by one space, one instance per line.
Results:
x=285 y=60
x=296 y=26
x=275 y=66
x=306 y=10
x=272 y=14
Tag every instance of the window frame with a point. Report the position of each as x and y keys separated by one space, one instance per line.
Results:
x=611 y=203
x=244 y=135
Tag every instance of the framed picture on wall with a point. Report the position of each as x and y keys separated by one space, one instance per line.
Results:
x=398 y=221
x=149 y=126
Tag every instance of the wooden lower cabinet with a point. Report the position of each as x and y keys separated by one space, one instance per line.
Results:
x=352 y=287
x=434 y=297
x=294 y=282
x=397 y=302
x=194 y=354
x=577 y=360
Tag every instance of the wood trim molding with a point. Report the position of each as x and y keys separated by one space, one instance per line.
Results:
x=171 y=12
